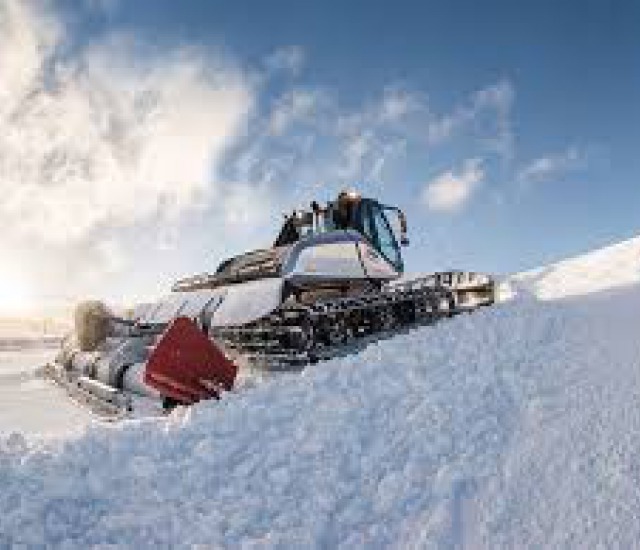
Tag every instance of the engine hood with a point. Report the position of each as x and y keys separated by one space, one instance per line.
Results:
x=251 y=266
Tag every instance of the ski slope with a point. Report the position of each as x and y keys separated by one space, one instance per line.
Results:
x=516 y=426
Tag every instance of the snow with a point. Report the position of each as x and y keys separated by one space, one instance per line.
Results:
x=30 y=405
x=515 y=426
x=611 y=267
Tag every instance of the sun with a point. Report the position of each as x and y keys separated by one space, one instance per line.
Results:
x=15 y=294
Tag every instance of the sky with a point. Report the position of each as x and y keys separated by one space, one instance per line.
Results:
x=143 y=141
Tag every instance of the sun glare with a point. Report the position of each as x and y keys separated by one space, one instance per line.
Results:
x=15 y=295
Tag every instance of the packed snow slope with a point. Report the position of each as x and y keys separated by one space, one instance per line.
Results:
x=603 y=269
x=515 y=426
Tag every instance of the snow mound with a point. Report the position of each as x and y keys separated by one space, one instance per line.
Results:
x=515 y=426
x=607 y=268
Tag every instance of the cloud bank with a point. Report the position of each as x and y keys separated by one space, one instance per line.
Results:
x=108 y=137
x=95 y=140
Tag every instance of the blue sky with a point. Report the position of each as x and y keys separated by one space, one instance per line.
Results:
x=508 y=131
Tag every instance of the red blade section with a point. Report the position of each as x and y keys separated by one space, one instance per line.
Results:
x=187 y=366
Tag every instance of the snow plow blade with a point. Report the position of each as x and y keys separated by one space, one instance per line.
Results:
x=187 y=366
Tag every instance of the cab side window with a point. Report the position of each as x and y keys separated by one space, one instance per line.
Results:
x=386 y=242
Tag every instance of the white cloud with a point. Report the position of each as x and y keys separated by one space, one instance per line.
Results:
x=355 y=152
x=26 y=35
x=499 y=97
x=105 y=139
x=113 y=144
x=397 y=103
x=495 y=102
x=551 y=166
x=290 y=59
x=451 y=191
x=295 y=106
